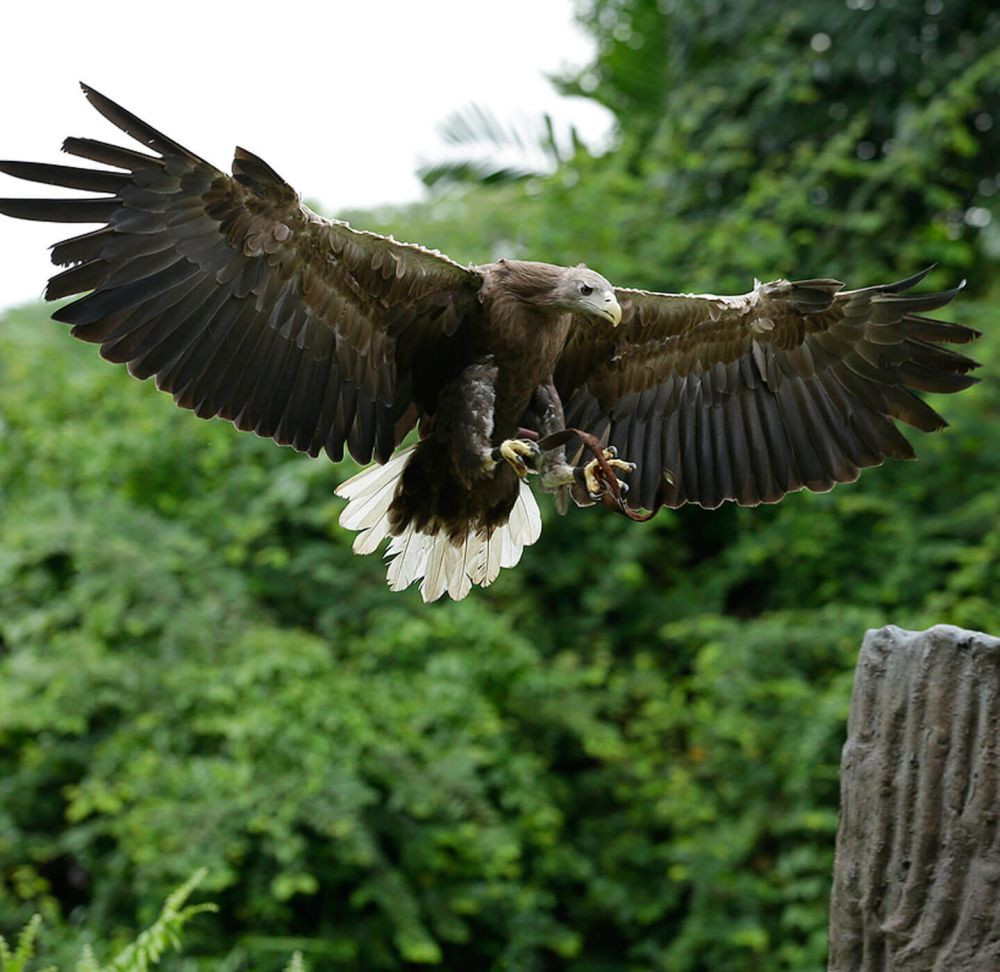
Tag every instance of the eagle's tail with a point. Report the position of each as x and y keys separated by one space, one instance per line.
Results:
x=442 y=563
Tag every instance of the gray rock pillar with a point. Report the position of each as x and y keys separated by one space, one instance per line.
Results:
x=916 y=882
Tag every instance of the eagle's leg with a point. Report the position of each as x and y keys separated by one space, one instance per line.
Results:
x=556 y=475
x=585 y=483
x=469 y=402
x=465 y=421
x=545 y=413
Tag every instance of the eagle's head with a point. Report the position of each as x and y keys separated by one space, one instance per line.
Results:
x=578 y=290
x=584 y=291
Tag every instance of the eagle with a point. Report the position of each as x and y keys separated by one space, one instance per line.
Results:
x=462 y=385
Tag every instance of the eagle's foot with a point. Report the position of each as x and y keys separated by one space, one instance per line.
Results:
x=521 y=454
x=593 y=474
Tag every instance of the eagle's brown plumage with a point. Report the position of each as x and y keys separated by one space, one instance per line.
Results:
x=748 y=398
x=246 y=305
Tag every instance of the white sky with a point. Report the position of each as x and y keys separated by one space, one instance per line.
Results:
x=342 y=98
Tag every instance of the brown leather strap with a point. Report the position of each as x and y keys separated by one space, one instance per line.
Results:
x=612 y=497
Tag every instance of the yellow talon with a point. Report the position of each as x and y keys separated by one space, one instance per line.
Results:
x=520 y=454
x=593 y=473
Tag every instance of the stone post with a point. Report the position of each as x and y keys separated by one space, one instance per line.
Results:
x=916 y=883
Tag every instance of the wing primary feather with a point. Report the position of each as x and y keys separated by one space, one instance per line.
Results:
x=133 y=322
x=141 y=267
x=911 y=303
x=843 y=444
x=934 y=380
x=81 y=248
x=60 y=210
x=136 y=127
x=84 y=276
x=908 y=408
x=939 y=359
x=862 y=452
x=108 y=154
x=907 y=282
x=941 y=332
x=117 y=247
x=68 y=176
x=90 y=309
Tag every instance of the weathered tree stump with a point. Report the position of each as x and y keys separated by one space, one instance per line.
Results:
x=916 y=882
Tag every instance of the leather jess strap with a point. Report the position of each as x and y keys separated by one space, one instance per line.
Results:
x=613 y=497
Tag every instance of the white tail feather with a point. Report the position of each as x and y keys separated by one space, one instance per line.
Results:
x=443 y=566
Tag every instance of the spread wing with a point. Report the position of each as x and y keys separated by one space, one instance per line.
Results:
x=241 y=301
x=747 y=398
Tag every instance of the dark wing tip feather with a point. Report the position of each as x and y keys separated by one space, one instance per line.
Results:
x=60 y=210
x=940 y=332
x=133 y=125
x=67 y=176
x=916 y=303
x=907 y=282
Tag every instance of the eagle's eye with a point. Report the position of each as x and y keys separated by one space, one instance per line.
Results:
x=586 y=290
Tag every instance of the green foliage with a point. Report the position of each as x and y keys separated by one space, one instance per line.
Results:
x=138 y=956
x=623 y=754
x=19 y=959
x=147 y=950
x=592 y=759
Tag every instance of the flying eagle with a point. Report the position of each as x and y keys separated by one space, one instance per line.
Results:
x=245 y=304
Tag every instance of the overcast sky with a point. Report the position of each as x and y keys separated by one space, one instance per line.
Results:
x=342 y=98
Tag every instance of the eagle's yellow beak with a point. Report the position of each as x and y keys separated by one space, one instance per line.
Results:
x=612 y=310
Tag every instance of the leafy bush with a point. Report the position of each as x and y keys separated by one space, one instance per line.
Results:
x=595 y=758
